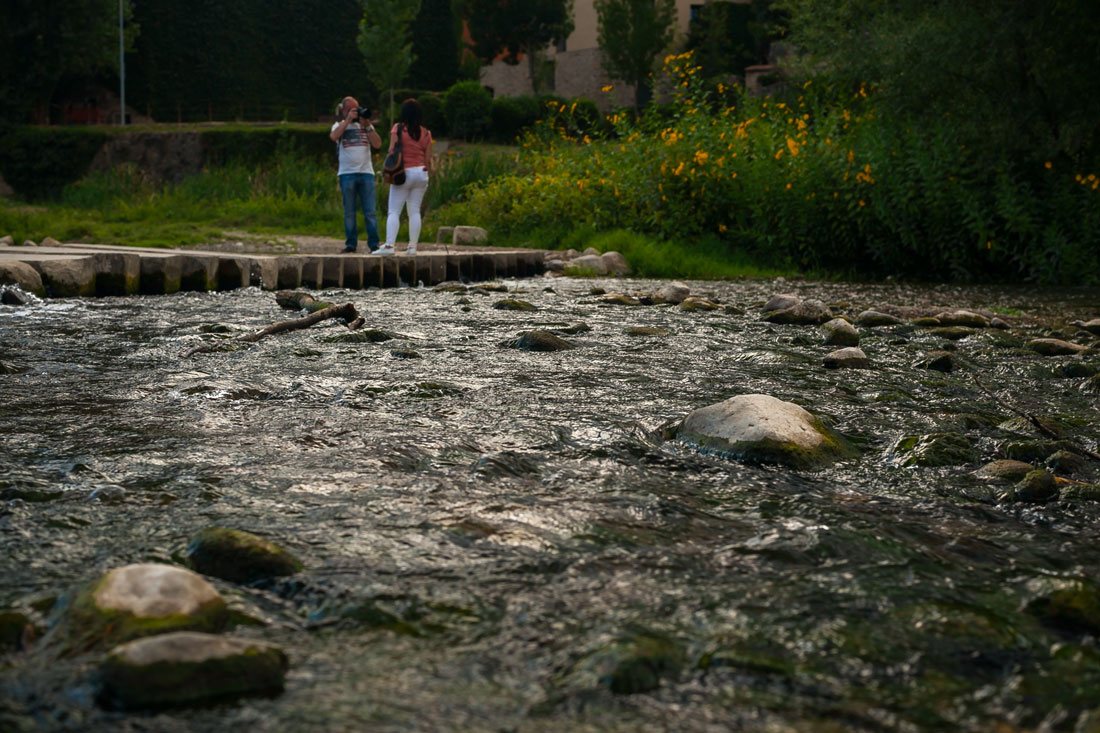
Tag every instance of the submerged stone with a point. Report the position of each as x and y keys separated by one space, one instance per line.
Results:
x=514 y=304
x=142 y=600
x=620 y=299
x=693 y=303
x=952 y=333
x=1055 y=347
x=633 y=665
x=939 y=361
x=873 y=318
x=238 y=556
x=537 y=340
x=1036 y=487
x=1065 y=604
x=188 y=668
x=758 y=428
x=963 y=318
x=362 y=336
x=646 y=331
x=935 y=449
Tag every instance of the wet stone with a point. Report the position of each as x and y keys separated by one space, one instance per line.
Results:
x=851 y=357
x=962 y=318
x=537 y=340
x=1033 y=451
x=405 y=354
x=838 y=332
x=1076 y=370
x=1004 y=471
x=514 y=304
x=1066 y=463
x=16 y=629
x=238 y=556
x=804 y=312
x=620 y=299
x=952 y=333
x=1055 y=347
x=188 y=668
x=646 y=331
x=693 y=304
x=141 y=600
x=1065 y=604
x=674 y=293
x=939 y=361
x=1036 y=487
x=362 y=336
x=759 y=428
x=873 y=319
x=934 y=449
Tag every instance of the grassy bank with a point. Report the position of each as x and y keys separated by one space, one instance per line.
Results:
x=291 y=193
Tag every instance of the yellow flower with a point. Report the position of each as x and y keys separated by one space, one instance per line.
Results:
x=792 y=145
x=679 y=169
x=779 y=154
x=1048 y=165
x=862 y=203
x=788 y=187
x=701 y=157
x=607 y=88
x=722 y=228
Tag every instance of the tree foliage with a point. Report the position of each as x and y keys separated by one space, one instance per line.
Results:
x=385 y=42
x=435 y=46
x=513 y=28
x=45 y=41
x=726 y=37
x=632 y=34
x=1014 y=77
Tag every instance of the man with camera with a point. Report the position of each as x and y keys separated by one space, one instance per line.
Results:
x=355 y=137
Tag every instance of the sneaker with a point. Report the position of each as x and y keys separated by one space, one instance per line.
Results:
x=411 y=250
x=385 y=249
x=348 y=250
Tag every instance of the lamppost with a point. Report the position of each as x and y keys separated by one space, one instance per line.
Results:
x=121 y=65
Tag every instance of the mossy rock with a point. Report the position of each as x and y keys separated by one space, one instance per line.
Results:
x=187 y=668
x=952 y=333
x=1034 y=451
x=1036 y=487
x=237 y=556
x=538 y=340
x=934 y=450
x=1004 y=471
x=405 y=354
x=514 y=304
x=693 y=304
x=633 y=665
x=1080 y=492
x=1071 y=605
x=620 y=299
x=15 y=627
x=143 y=600
x=763 y=429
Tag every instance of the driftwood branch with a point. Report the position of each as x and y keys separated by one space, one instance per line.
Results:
x=320 y=311
x=1034 y=420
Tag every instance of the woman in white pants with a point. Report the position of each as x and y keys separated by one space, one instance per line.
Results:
x=416 y=153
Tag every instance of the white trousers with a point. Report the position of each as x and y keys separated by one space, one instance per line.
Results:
x=409 y=194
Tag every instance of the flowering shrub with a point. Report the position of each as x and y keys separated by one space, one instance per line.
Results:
x=807 y=182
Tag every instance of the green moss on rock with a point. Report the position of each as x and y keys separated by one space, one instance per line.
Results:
x=238 y=556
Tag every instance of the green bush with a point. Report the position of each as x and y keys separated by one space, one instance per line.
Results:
x=467 y=106
x=431 y=105
x=815 y=183
x=513 y=115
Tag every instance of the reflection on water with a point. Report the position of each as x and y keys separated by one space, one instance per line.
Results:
x=484 y=529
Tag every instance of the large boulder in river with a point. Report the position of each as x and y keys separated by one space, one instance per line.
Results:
x=586 y=265
x=237 y=556
x=23 y=275
x=142 y=600
x=851 y=357
x=758 y=428
x=615 y=263
x=674 y=292
x=873 y=318
x=966 y=319
x=186 y=668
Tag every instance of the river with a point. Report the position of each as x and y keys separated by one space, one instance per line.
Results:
x=487 y=532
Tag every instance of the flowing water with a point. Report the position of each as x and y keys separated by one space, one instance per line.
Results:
x=490 y=535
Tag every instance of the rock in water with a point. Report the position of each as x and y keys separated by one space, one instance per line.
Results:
x=851 y=357
x=186 y=668
x=962 y=318
x=758 y=428
x=804 y=312
x=1055 y=347
x=538 y=340
x=514 y=304
x=872 y=318
x=239 y=557
x=838 y=332
x=1004 y=471
x=141 y=600
x=674 y=292
x=1065 y=604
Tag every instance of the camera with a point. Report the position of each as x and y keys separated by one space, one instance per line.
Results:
x=363 y=112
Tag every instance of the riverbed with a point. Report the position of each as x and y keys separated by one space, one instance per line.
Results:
x=488 y=533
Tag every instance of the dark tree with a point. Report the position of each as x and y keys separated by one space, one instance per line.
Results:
x=633 y=33
x=435 y=45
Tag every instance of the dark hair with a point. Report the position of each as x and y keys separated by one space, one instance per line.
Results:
x=410 y=117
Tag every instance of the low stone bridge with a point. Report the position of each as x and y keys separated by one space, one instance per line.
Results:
x=87 y=270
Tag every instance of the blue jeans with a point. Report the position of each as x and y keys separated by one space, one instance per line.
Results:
x=358 y=188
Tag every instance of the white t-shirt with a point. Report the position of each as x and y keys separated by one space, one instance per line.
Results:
x=353 y=150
